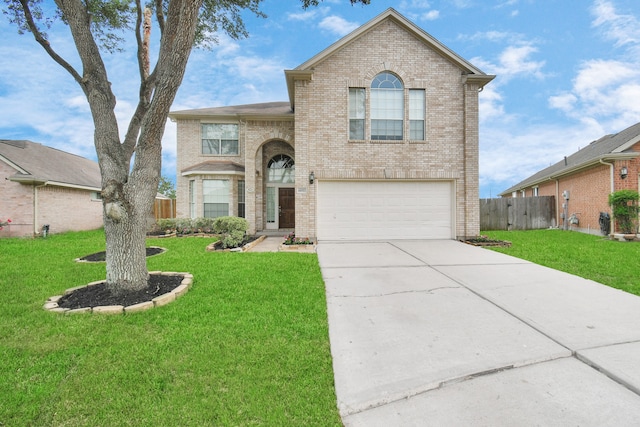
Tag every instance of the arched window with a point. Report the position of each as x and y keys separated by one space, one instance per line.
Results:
x=387 y=107
x=281 y=169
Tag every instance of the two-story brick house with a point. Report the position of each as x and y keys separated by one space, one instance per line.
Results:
x=379 y=140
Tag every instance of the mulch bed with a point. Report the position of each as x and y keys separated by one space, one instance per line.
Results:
x=100 y=295
x=487 y=242
x=217 y=246
x=102 y=256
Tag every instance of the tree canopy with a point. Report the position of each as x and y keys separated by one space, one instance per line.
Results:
x=130 y=165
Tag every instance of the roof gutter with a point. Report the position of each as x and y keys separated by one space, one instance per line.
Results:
x=174 y=117
x=293 y=75
x=31 y=180
x=569 y=171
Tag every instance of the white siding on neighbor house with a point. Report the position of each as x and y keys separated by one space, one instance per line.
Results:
x=371 y=210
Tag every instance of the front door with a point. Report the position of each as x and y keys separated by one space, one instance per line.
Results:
x=287 y=207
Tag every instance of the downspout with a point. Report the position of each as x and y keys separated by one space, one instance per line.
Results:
x=557 y=203
x=611 y=174
x=36 y=208
x=464 y=161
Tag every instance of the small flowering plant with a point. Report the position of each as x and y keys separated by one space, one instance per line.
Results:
x=291 y=239
x=4 y=223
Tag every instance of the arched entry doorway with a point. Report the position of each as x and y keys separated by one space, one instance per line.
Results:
x=280 y=206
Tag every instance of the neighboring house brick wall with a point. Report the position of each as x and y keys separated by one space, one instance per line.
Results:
x=588 y=196
x=68 y=209
x=589 y=191
x=17 y=204
x=64 y=209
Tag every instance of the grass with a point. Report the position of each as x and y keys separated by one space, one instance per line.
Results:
x=247 y=345
x=609 y=262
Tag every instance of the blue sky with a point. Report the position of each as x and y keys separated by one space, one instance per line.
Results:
x=566 y=74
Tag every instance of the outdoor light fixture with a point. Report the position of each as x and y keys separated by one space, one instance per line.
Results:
x=312 y=178
x=623 y=172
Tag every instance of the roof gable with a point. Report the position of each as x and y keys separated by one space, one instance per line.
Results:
x=38 y=164
x=609 y=147
x=305 y=70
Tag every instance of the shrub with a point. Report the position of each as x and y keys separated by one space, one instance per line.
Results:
x=624 y=205
x=291 y=239
x=232 y=230
x=166 y=224
x=184 y=226
x=203 y=225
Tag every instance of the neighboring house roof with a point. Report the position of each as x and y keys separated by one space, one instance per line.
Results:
x=213 y=167
x=39 y=165
x=262 y=110
x=305 y=70
x=609 y=147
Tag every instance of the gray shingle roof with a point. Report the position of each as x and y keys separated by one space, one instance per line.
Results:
x=262 y=109
x=608 y=147
x=37 y=163
x=219 y=166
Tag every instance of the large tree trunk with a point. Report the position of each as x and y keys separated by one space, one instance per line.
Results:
x=126 y=240
x=129 y=192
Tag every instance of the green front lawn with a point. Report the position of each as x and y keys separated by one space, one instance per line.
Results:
x=610 y=262
x=247 y=345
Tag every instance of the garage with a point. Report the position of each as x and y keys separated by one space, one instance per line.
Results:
x=375 y=210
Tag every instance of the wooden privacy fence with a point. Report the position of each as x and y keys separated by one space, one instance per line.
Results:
x=522 y=213
x=164 y=208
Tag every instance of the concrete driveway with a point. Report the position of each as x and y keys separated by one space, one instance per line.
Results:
x=440 y=333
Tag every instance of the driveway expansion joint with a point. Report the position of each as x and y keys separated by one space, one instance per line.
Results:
x=415 y=291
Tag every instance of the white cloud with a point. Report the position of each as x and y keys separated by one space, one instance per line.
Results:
x=432 y=15
x=623 y=29
x=514 y=61
x=512 y=153
x=606 y=90
x=564 y=102
x=491 y=104
x=337 y=25
x=307 y=15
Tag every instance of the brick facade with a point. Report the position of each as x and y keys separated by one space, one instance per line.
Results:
x=30 y=207
x=317 y=134
x=588 y=190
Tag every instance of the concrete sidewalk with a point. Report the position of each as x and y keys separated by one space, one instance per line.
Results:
x=444 y=333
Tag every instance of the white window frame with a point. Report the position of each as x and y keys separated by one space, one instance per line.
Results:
x=387 y=107
x=216 y=136
x=386 y=110
x=417 y=114
x=357 y=113
x=215 y=192
x=192 y=198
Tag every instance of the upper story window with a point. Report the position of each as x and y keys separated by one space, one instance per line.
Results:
x=356 y=112
x=416 y=114
x=387 y=107
x=384 y=116
x=220 y=139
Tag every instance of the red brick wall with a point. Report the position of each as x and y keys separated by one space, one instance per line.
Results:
x=588 y=195
x=64 y=209
x=68 y=209
x=16 y=203
x=589 y=191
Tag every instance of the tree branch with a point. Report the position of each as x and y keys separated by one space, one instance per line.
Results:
x=37 y=34
x=160 y=16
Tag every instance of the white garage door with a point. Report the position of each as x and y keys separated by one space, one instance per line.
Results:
x=371 y=210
